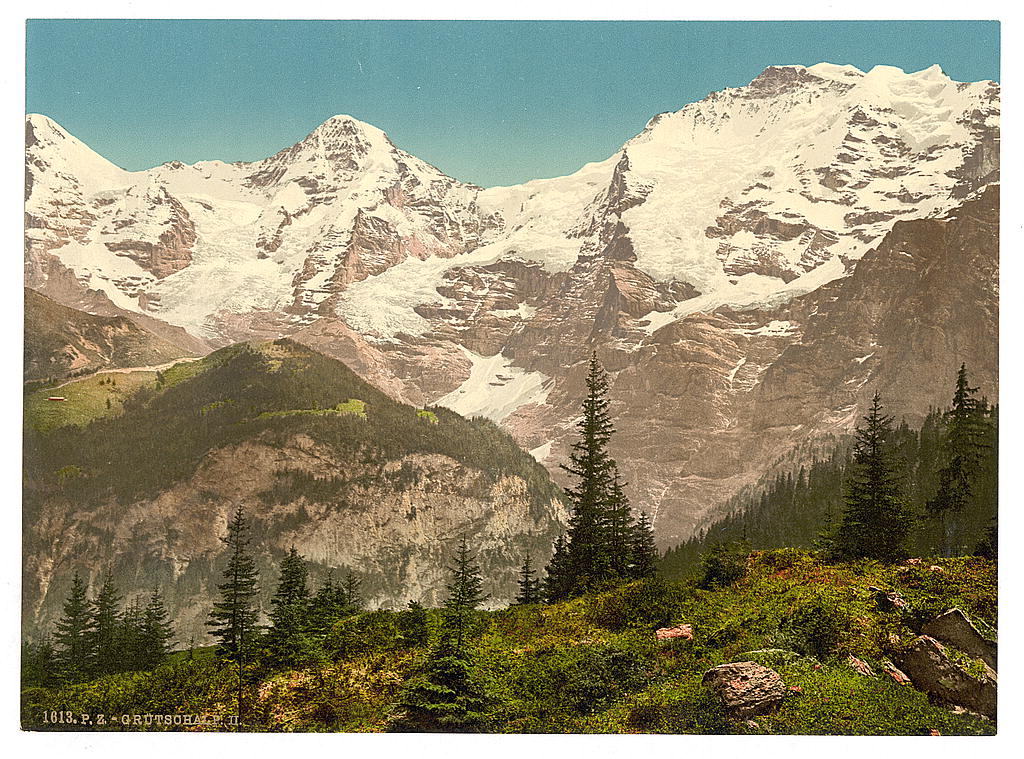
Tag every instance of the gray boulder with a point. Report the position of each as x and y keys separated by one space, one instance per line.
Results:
x=955 y=629
x=746 y=689
x=951 y=676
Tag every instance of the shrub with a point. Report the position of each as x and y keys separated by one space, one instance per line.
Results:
x=814 y=628
x=371 y=632
x=723 y=564
x=647 y=603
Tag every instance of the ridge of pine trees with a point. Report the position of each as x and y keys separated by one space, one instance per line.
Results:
x=99 y=637
x=945 y=472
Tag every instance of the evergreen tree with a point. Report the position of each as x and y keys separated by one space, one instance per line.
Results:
x=557 y=582
x=414 y=626
x=39 y=665
x=287 y=637
x=964 y=455
x=529 y=585
x=443 y=697
x=156 y=633
x=875 y=522
x=131 y=644
x=73 y=635
x=105 y=631
x=587 y=560
x=643 y=550
x=233 y=618
x=465 y=594
x=618 y=529
x=352 y=590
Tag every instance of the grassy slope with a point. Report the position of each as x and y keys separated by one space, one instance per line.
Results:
x=592 y=664
x=105 y=341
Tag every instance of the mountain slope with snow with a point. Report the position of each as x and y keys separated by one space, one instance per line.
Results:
x=675 y=254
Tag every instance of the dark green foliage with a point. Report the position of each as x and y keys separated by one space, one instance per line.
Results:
x=443 y=697
x=361 y=634
x=876 y=521
x=465 y=594
x=104 y=631
x=815 y=627
x=232 y=621
x=529 y=585
x=723 y=564
x=39 y=664
x=287 y=639
x=164 y=434
x=557 y=582
x=414 y=626
x=965 y=496
x=587 y=545
x=73 y=635
x=648 y=604
x=643 y=551
x=157 y=632
x=602 y=537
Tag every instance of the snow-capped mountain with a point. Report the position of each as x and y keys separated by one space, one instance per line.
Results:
x=685 y=259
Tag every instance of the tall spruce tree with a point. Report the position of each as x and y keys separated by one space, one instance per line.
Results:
x=964 y=449
x=465 y=594
x=104 y=631
x=875 y=522
x=529 y=585
x=287 y=638
x=156 y=632
x=233 y=618
x=587 y=558
x=643 y=550
x=72 y=636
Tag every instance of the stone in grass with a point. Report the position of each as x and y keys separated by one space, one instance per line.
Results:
x=746 y=689
x=683 y=632
x=860 y=666
x=953 y=627
x=940 y=672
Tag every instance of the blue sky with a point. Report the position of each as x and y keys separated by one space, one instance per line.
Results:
x=487 y=102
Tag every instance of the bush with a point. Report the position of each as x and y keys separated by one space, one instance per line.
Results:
x=723 y=564
x=814 y=628
x=647 y=603
x=371 y=632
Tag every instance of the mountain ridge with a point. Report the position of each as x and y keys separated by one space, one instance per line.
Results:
x=673 y=256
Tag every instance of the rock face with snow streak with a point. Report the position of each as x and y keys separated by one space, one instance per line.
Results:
x=738 y=266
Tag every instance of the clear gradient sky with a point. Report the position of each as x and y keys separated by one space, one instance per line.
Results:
x=487 y=102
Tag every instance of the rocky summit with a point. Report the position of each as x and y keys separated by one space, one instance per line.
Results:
x=750 y=269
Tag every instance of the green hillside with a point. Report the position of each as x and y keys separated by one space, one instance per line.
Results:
x=158 y=435
x=593 y=665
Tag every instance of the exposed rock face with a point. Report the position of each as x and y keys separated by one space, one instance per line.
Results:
x=60 y=341
x=398 y=540
x=746 y=689
x=932 y=669
x=750 y=269
x=376 y=488
x=956 y=629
